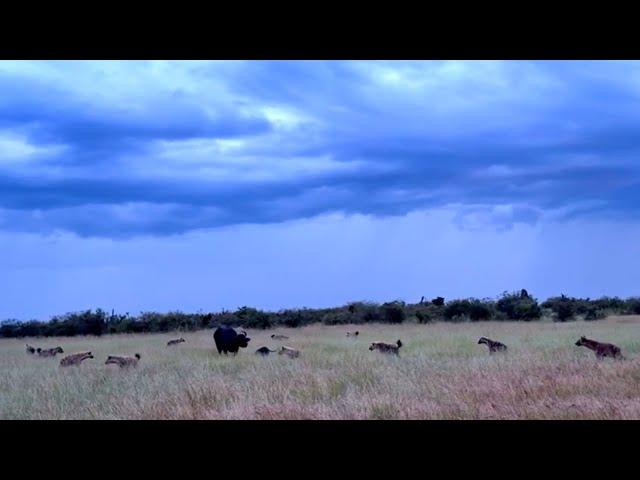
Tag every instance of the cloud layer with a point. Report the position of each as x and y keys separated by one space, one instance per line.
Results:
x=123 y=149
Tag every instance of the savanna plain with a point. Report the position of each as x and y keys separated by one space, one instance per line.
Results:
x=441 y=373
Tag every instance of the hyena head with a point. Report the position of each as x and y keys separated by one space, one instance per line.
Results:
x=372 y=346
x=399 y=343
x=137 y=355
x=482 y=340
x=581 y=342
x=59 y=350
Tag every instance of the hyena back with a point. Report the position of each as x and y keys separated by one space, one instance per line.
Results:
x=75 y=359
x=386 y=347
x=49 y=352
x=493 y=345
x=601 y=349
x=122 y=361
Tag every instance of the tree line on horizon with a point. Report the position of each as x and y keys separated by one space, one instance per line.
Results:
x=514 y=306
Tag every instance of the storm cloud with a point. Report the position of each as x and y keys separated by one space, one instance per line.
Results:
x=122 y=149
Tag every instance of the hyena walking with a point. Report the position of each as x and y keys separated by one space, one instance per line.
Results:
x=123 y=361
x=601 y=350
x=49 y=352
x=386 y=347
x=75 y=359
x=493 y=345
x=289 y=352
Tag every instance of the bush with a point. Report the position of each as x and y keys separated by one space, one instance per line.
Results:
x=393 y=312
x=510 y=306
x=632 y=306
x=471 y=309
x=253 y=318
x=518 y=306
x=594 y=314
x=438 y=301
x=564 y=308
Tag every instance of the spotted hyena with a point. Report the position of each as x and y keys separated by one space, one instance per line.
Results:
x=601 y=350
x=49 y=352
x=75 y=359
x=289 y=352
x=353 y=334
x=122 y=361
x=493 y=345
x=279 y=337
x=176 y=341
x=386 y=347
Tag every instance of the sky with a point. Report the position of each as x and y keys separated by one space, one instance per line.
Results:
x=202 y=185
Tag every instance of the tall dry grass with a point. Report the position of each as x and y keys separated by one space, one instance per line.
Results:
x=442 y=373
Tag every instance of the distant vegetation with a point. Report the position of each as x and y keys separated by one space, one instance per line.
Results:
x=510 y=306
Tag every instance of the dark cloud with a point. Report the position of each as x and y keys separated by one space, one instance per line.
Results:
x=509 y=150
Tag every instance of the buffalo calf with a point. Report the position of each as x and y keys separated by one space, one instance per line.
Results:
x=264 y=351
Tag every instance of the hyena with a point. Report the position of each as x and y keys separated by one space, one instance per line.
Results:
x=176 y=341
x=353 y=334
x=49 y=352
x=493 y=345
x=123 y=361
x=264 y=351
x=289 y=352
x=386 y=347
x=75 y=359
x=30 y=349
x=601 y=350
x=279 y=337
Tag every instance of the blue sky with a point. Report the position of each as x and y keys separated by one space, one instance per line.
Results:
x=207 y=185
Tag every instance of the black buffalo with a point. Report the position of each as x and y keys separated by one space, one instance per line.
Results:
x=228 y=340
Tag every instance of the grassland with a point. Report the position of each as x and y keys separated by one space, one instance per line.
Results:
x=442 y=373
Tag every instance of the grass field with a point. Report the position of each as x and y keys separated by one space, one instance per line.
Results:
x=442 y=373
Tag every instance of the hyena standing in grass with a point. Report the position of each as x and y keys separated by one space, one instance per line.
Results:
x=289 y=352
x=601 y=350
x=123 y=361
x=493 y=345
x=49 y=352
x=75 y=359
x=386 y=347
